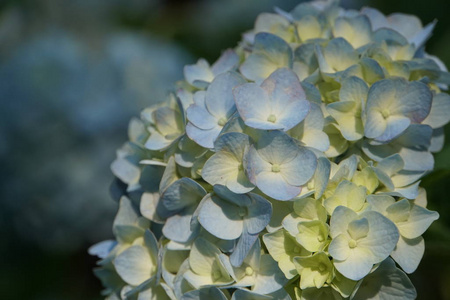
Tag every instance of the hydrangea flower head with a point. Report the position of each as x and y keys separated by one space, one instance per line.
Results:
x=288 y=169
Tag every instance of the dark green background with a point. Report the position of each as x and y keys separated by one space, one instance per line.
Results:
x=30 y=268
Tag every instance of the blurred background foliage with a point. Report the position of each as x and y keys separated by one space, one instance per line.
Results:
x=73 y=72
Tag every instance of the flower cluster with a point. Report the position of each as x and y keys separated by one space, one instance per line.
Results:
x=288 y=169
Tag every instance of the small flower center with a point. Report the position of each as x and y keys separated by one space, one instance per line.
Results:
x=249 y=271
x=222 y=122
x=385 y=113
x=272 y=118
x=352 y=243
x=320 y=238
x=275 y=168
x=322 y=267
x=242 y=211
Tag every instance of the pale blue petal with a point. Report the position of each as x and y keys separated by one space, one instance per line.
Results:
x=410 y=99
x=102 y=249
x=382 y=236
x=350 y=163
x=258 y=66
x=321 y=176
x=305 y=55
x=220 y=168
x=386 y=282
x=182 y=193
x=417 y=136
x=280 y=211
x=242 y=185
x=270 y=278
x=185 y=97
x=125 y=226
x=339 y=248
x=315 y=119
x=168 y=121
x=134 y=265
x=280 y=95
x=189 y=153
x=372 y=70
x=384 y=179
x=277 y=147
x=357 y=30
x=254 y=255
x=243 y=247
x=339 y=55
x=228 y=61
x=404 y=178
x=217 y=214
x=312 y=93
x=254 y=164
x=391 y=164
x=270 y=52
x=339 y=220
x=423 y=35
x=224 y=167
x=418 y=222
x=263 y=125
x=219 y=95
x=398 y=98
x=259 y=214
x=178 y=227
x=204 y=138
x=254 y=106
x=169 y=176
x=388 y=35
x=292 y=114
x=237 y=199
x=283 y=87
x=350 y=126
x=395 y=125
x=408 y=253
x=324 y=67
x=316 y=139
x=358 y=228
x=198 y=75
x=275 y=186
x=299 y=170
x=356 y=266
x=377 y=19
x=151 y=244
x=437 y=140
x=153 y=209
x=380 y=203
x=408 y=192
x=126 y=171
x=200 y=117
x=156 y=141
x=439 y=114
x=375 y=124
x=416 y=160
x=234 y=143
